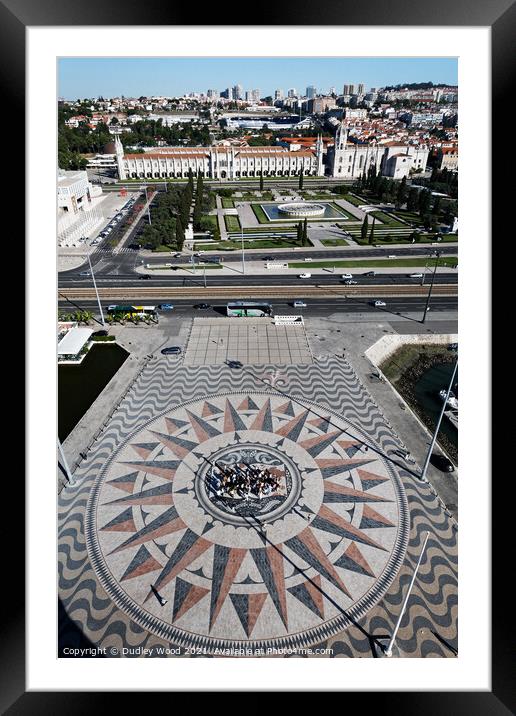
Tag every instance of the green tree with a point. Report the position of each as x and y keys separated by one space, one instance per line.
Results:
x=261 y=179
x=413 y=200
x=180 y=234
x=371 y=235
x=301 y=179
x=401 y=193
x=437 y=207
x=300 y=234
x=363 y=232
x=424 y=202
x=305 y=233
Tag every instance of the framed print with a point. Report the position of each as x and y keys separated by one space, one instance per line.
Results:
x=260 y=308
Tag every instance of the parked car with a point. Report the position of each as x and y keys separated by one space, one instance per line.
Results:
x=442 y=463
x=171 y=350
x=165 y=306
x=347 y=275
x=305 y=275
x=202 y=306
x=379 y=304
x=299 y=304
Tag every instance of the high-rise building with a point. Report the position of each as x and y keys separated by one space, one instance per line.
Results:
x=345 y=90
x=237 y=92
x=292 y=92
x=278 y=94
x=252 y=96
x=351 y=89
x=212 y=94
x=226 y=94
x=311 y=91
x=360 y=89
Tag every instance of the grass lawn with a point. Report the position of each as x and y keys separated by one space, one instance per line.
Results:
x=260 y=214
x=227 y=203
x=269 y=229
x=387 y=219
x=268 y=243
x=334 y=242
x=232 y=223
x=377 y=263
x=162 y=249
x=409 y=216
x=356 y=201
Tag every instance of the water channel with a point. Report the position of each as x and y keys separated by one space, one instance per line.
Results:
x=80 y=385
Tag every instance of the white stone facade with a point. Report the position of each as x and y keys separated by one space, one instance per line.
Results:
x=219 y=162
x=76 y=214
x=350 y=161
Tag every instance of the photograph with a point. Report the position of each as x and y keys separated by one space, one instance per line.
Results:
x=257 y=356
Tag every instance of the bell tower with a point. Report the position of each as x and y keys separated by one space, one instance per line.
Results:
x=119 y=150
x=339 y=150
x=319 y=151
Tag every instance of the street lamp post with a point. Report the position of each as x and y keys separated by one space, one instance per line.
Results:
x=204 y=275
x=69 y=475
x=438 y=425
x=437 y=256
x=429 y=256
x=243 y=253
x=96 y=293
x=388 y=650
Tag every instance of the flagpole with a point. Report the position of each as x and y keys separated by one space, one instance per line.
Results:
x=388 y=650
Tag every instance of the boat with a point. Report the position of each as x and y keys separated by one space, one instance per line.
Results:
x=452 y=401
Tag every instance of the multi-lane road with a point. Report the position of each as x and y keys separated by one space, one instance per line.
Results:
x=316 y=307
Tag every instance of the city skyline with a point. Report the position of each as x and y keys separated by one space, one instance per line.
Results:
x=134 y=77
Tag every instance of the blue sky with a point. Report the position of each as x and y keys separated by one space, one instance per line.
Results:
x=169 y=76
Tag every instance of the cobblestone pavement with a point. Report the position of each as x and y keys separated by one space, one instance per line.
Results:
x=257 y=340
x=150 y=556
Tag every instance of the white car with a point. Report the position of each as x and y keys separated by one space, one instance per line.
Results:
x=308 y=259
x=347 y=275
x=305 y=275
x=378 y=304
x=416 y=275
x=299 y=304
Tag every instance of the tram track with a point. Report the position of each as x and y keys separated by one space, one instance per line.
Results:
x=251 y=292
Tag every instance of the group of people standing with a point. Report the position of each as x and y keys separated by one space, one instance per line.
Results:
x=241 y=481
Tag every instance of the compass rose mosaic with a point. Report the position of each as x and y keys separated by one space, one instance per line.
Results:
x=288 y=563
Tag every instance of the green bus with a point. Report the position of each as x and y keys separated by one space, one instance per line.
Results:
x=250 y=309
x=130 y=311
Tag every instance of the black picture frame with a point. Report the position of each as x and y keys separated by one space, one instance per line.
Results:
x=500 y=16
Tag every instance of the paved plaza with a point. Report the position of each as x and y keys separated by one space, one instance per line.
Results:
x=151 y=556
x=250 y=341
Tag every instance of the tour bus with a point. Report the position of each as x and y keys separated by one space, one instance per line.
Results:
x=249 y=309
x=130 y=311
